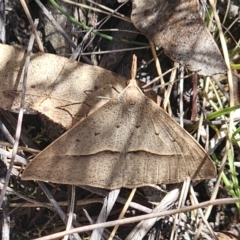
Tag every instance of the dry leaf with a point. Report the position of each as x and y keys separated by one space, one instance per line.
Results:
x=177 y=27
x=61 y=89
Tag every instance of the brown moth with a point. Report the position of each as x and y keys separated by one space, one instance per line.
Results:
x=128 y=142
x=177 y=27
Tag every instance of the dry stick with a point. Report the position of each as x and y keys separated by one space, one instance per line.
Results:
x=5 y=205
x=227 y=31
x=71 y=211
x=52 y=200
x=159 y=70
x=157 y=63
x=207 y=81
x=126 y=206
x=119 y=199
x=111 y=11
x=194 y=97
x=195 y=202
x=181 y=202
x=169 y=89
x=115 y=50
x=78 y=50
x=143 y=227
x=215 y=191
x=60 y=212
x=55 y=23
x=229 y=73
x=217 y=95
x=112 y=14
x=181 y=95
x=36 y=203
x=171 y=81
x=61 y=203
x=18 y=159
x=91 y=221
x=106 y=208
x=194 y=213
x=25 y=149
x=218 y=138
x=34 y=27
x=99 y=25
x=157 y=78
x=112 y=60
x=20 y=116
x=88 y=216
x=6 y=133
x=221 y=87
x=5 y=219
x=2 y=22
x=226 y=15
x=139 y=218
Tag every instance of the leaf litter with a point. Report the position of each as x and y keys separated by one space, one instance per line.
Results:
x=64 y=104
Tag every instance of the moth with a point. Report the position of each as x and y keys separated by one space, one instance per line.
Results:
x=127 y=142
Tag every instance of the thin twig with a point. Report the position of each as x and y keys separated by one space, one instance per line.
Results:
x=34 y=26
x=17 y=158
x=6 y=133
x=2 y=22
x=71 y=211
x=60 y=212
x=109 y=201
x=144 y=226
x=140 y=218
x=125 y=208
x=20 y=115
x=104 y=193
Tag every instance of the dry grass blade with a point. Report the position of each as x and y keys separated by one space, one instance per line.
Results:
x=57 y=208
x=121 y=200
x=106 y=209
x=33 y=25
x=140 y=218
x=123 y=212
x=181 y=203
x=20 y=116
x=71 y=210
x=144 y=226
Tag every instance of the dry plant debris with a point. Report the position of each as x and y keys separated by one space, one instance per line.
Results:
x=88 y=35
x=177 y=27
x=54 y=90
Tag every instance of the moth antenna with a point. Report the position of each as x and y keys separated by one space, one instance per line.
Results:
x=134 y=67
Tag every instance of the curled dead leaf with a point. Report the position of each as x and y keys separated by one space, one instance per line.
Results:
x=61 y=89
x=177 y=27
